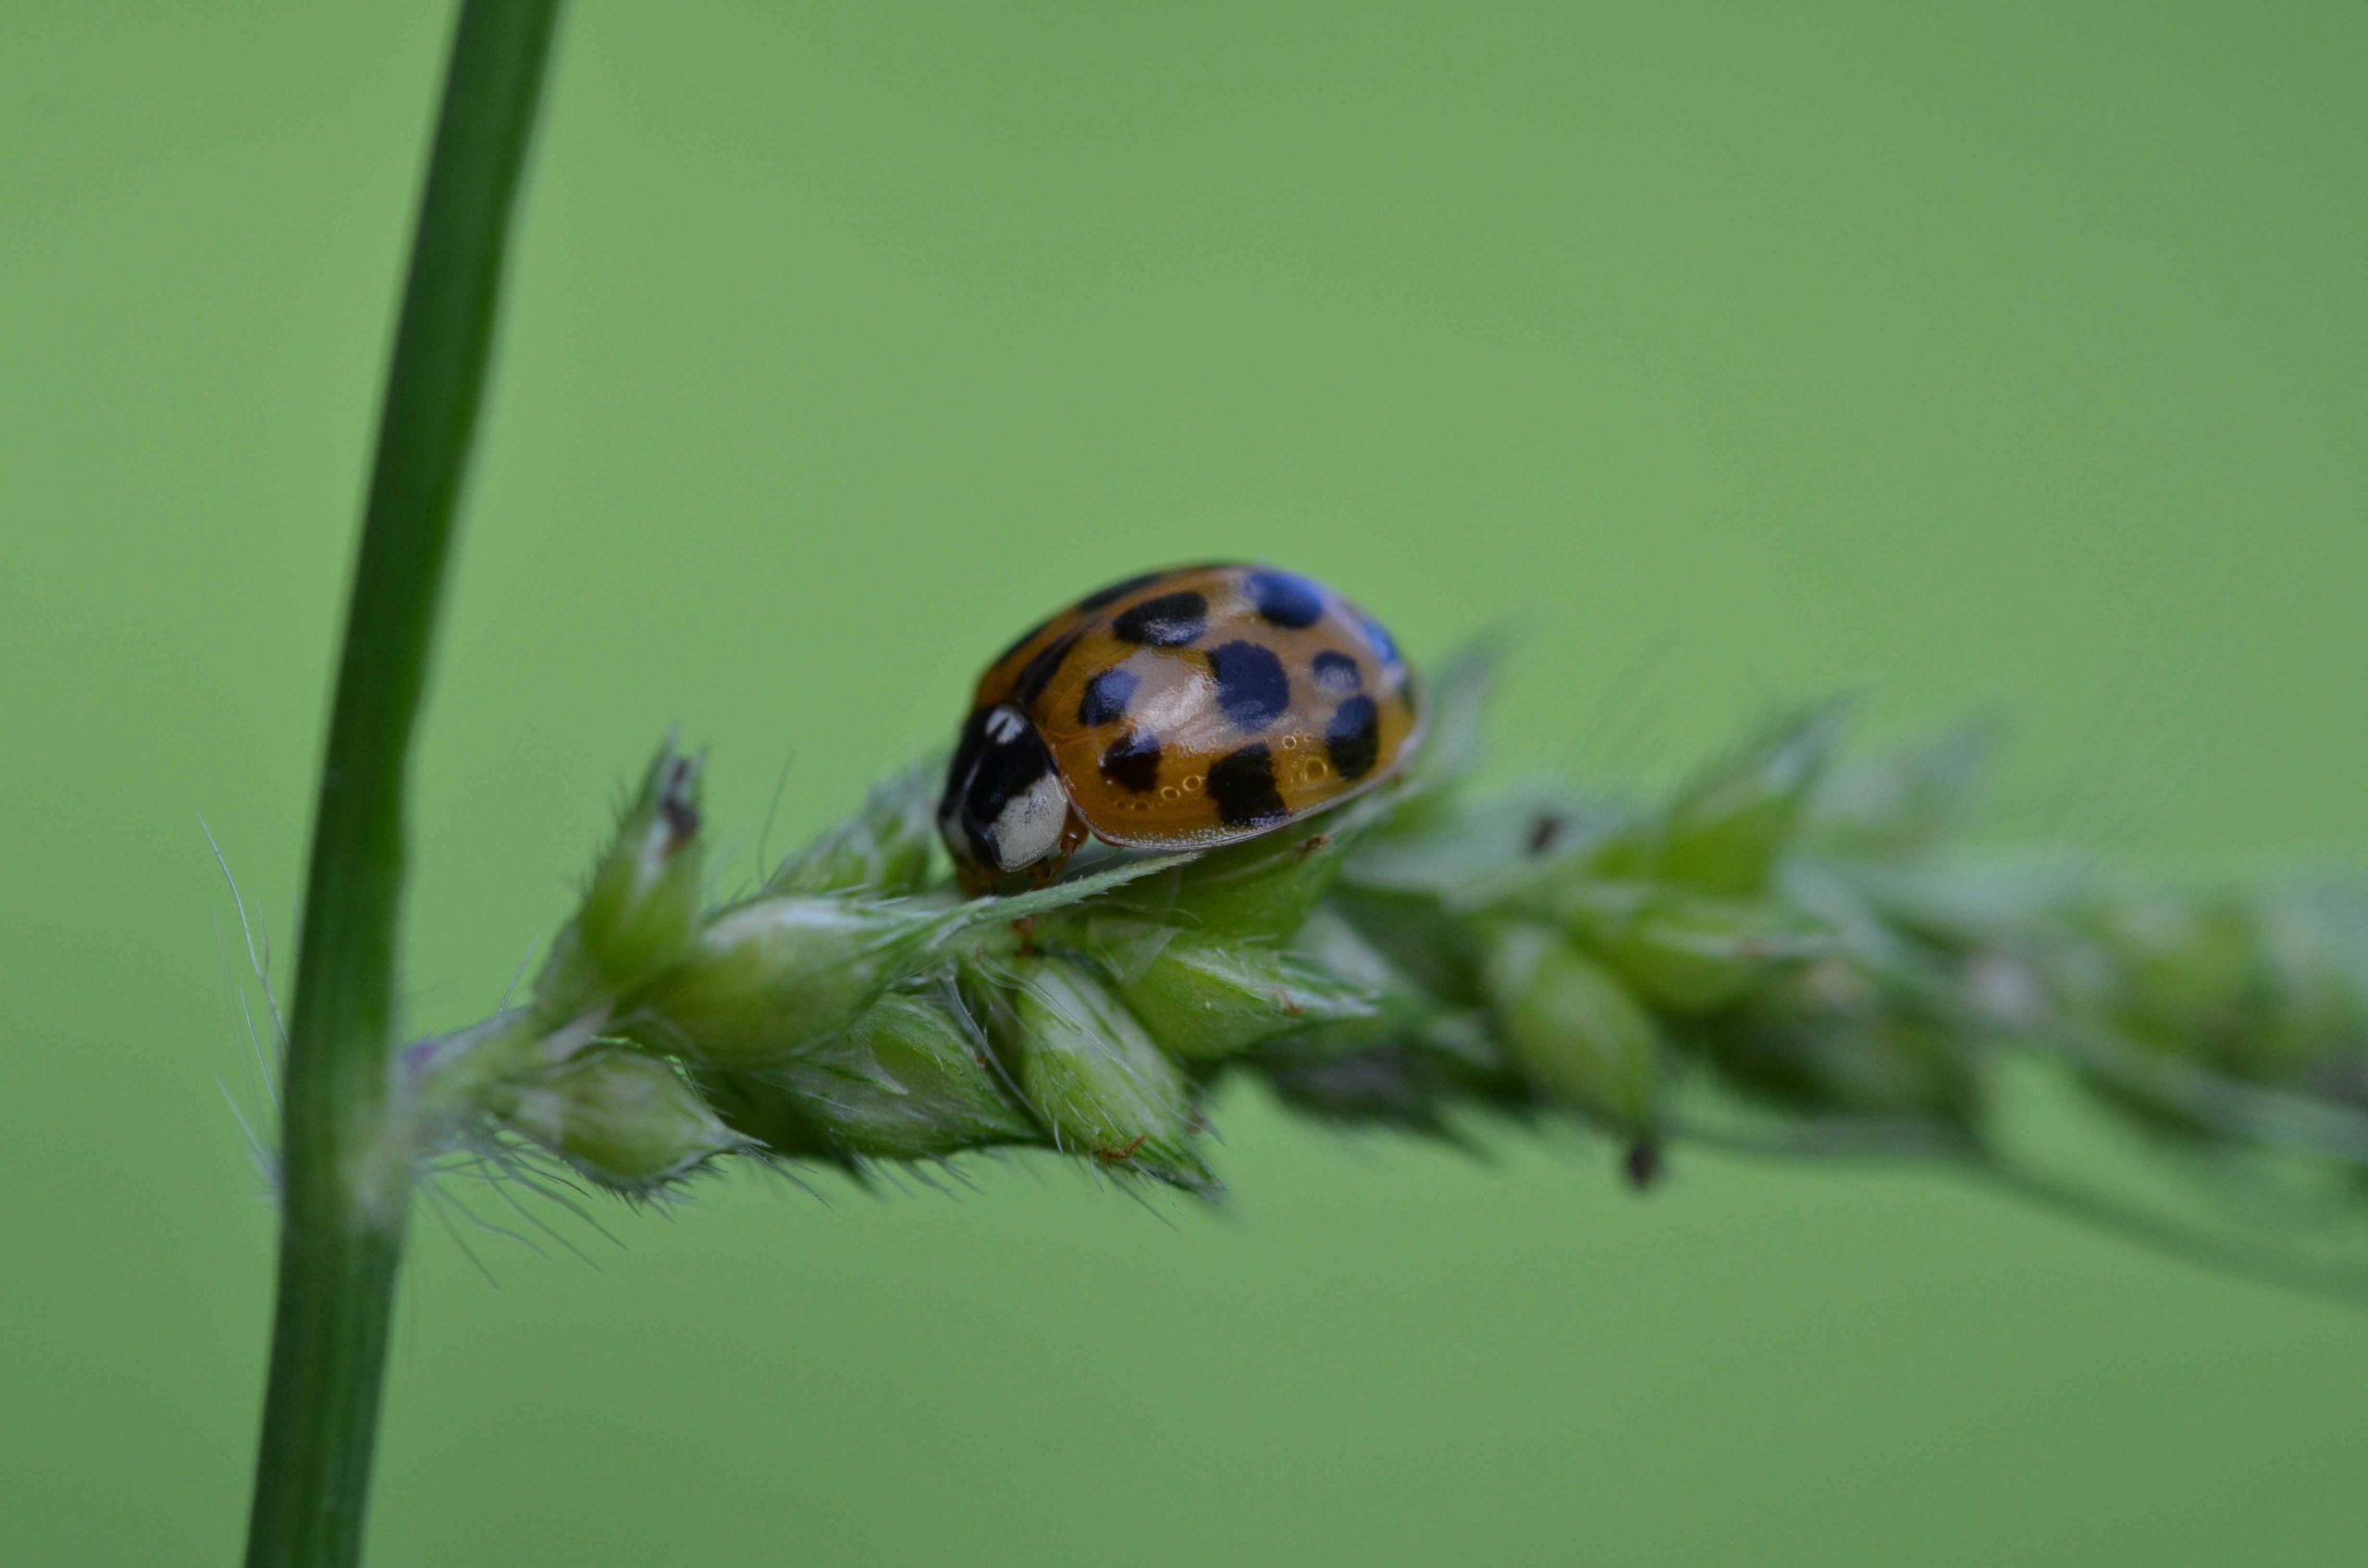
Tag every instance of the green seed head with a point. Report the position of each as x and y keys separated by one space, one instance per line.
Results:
x=1261 y=888
x=1204 y=999
x=640 y=911
x=1729 y=824
x=2188 y=969
x=776 y=1122
x=775 y=976
x=1577 y=1030
x=1413 y=1054
x=913 y=1079
x=1418 y=951
x=1832 y=1040
x=1691 y=953
x=1090 y=1072
x=883 y=850
x=627 y=1121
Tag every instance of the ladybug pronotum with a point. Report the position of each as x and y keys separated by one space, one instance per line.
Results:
x=1180 y=709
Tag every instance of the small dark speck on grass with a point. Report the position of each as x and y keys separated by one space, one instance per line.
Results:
x=1643 y=1165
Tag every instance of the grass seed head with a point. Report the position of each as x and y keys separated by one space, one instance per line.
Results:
x=626 y=1121
x=641 y=908
x=1575 y=1028
x=1692 y=954
x=1092 y=1074
x=885 y=849
x=778 y=975
x=1728 y=825
x=911 y=1079
x=1204 y=999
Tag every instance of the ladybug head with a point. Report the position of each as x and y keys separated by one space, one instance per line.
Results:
x=1004 y=809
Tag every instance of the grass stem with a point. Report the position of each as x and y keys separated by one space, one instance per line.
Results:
x=345 y=1164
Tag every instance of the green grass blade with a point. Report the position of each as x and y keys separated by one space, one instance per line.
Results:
x=345 y=1172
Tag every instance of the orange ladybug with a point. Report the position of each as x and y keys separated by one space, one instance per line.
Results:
x=1178 y=709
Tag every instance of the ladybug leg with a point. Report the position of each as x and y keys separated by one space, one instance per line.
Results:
x=976 y=880
x=1074 y=834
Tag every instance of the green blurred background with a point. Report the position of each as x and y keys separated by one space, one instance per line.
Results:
x=2005 y=357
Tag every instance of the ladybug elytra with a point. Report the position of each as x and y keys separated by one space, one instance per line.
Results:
x=1182 y=708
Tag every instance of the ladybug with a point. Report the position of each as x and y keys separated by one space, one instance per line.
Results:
x=1182 y=708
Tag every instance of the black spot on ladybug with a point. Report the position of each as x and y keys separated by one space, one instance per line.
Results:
x=1336 y=673
x=1117 y=590
x=1242 y=784
x=1284 y=600
x=1166 y=621
x=1132 y=762
x=1042 y=668
x=1377 y=638
x=1252 y=687
x=1353 y=737
x=1106 y=696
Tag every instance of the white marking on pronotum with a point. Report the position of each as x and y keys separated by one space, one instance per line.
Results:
x=1029 y=826
x=1005 y=724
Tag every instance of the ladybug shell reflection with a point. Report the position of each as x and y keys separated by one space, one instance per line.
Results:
x=1186 y=707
